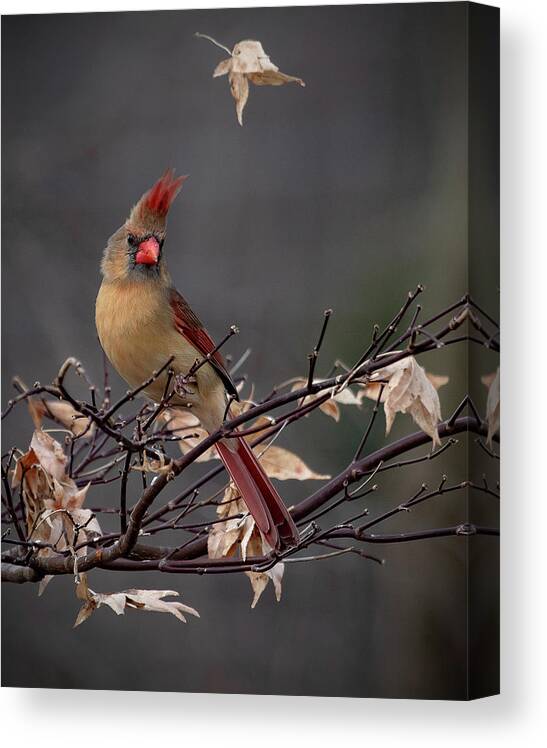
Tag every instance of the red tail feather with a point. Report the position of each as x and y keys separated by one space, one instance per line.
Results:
x=262 y=500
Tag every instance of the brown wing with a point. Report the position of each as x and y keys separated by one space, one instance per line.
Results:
x=191 y=328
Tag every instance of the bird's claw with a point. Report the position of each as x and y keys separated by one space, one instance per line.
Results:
x=183 y=384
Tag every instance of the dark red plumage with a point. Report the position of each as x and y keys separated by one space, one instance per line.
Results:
x=263 y=501
x=159 y=198
x=191 y=328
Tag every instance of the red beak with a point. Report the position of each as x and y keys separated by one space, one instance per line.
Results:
x=148 y=252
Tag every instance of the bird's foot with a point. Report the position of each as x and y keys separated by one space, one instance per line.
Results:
x=185 y=384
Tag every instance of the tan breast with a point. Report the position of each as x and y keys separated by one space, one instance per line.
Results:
x=136 y=331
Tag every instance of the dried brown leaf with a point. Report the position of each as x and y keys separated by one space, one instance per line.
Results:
x=276 y=575
x=67 y=416
x=184 y=424
x=259 y=582
x=37 y=486
x=330 y=406
x=151 y=600
x=50 y=454
x=53 y=502
x=249 y=62
x=273 y=78
x=243 y=534
x=259 y=579
x=36 y=412
x=224 y=536
x=158 y=467
x=346 y=397
x=437 y=380
x=239 y=86
x=223 y=68
x=408 y=389
x=282 y=464
x=372 y=390
x=83 y=614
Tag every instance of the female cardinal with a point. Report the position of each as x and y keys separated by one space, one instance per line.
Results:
x=142 y=321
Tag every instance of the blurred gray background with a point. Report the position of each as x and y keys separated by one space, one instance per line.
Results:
x=344 y=194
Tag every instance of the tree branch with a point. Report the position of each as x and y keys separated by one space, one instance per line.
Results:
x=118 y=440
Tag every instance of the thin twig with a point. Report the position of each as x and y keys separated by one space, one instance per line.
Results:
x=315 y=353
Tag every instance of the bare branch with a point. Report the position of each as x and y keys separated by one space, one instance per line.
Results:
x=124 y=440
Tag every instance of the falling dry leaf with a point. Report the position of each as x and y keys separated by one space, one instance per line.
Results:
x=119 y=601
x=239 y=532
x=408 y=389
x=53 y=502
x=492 y=381
x=239 y=86
x=249 y=62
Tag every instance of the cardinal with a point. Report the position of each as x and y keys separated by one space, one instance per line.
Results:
x=143 y=321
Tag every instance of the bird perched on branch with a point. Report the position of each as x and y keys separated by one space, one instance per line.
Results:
x=143 y=321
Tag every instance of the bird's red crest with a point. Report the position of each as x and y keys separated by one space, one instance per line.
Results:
x=158 y=199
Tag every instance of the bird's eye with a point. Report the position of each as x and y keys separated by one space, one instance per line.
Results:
x=131 y=240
